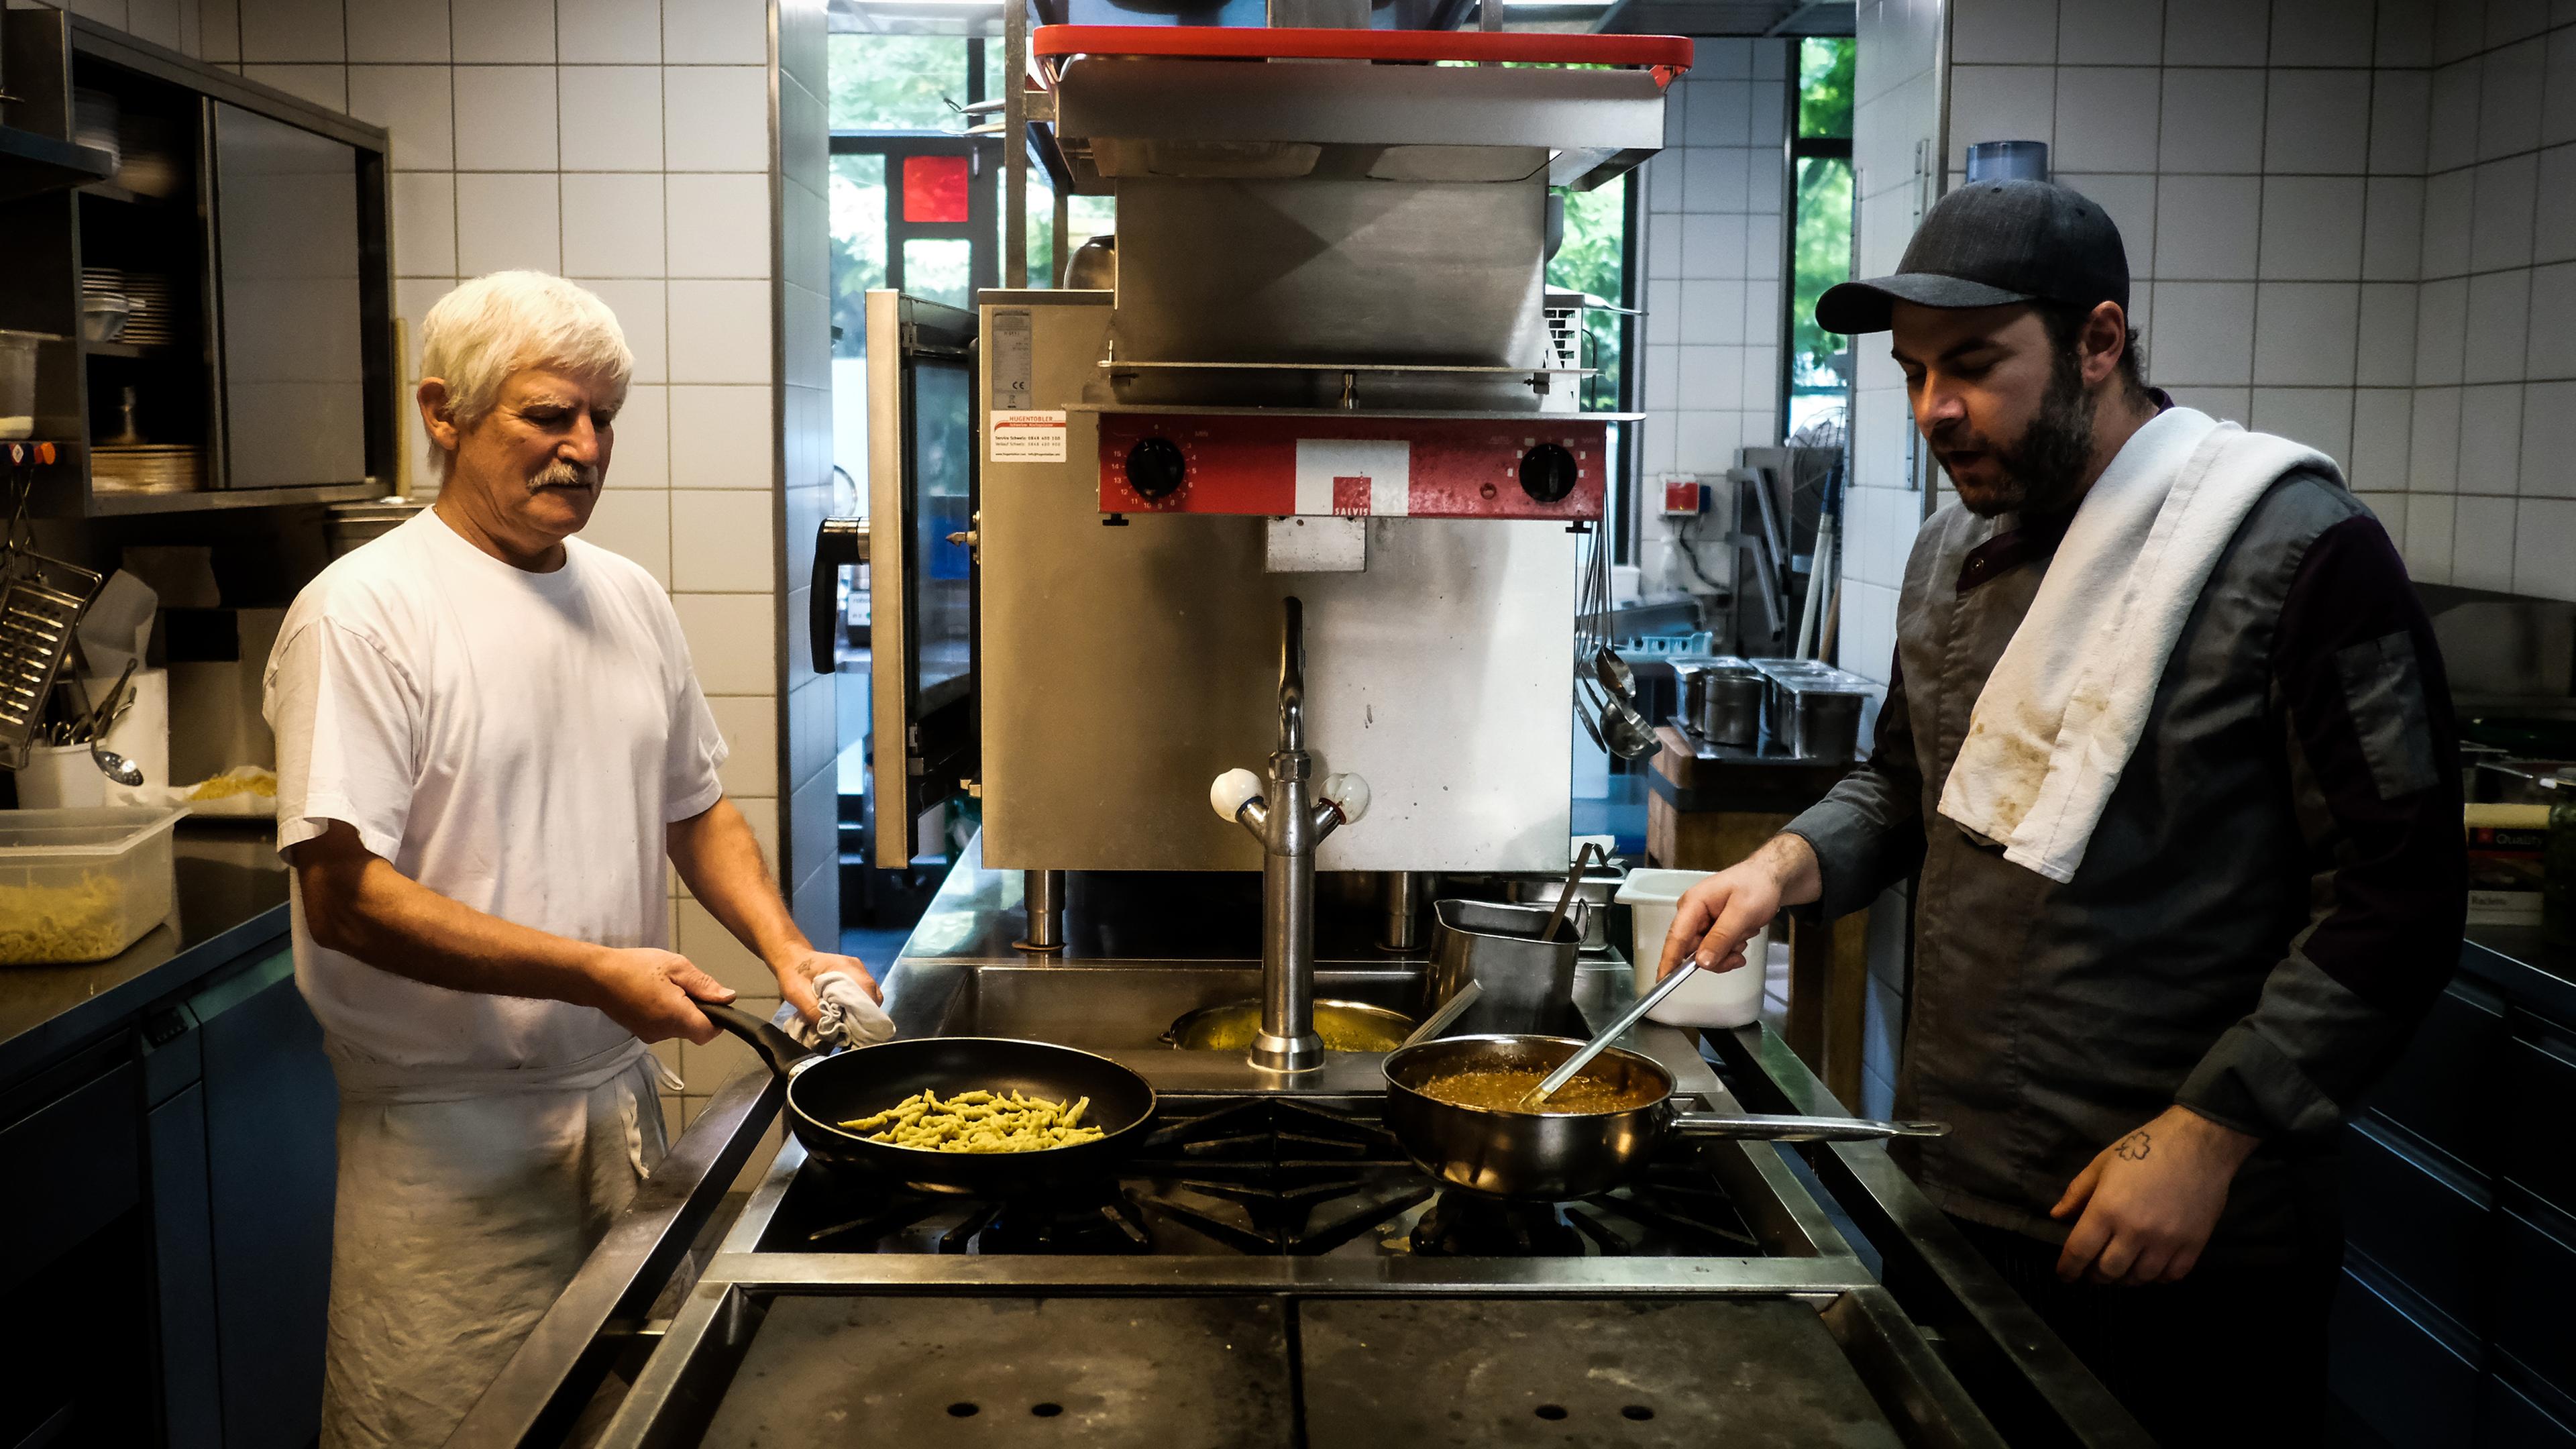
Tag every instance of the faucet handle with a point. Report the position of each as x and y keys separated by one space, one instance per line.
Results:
x=1349 y=793
x=1228 y=792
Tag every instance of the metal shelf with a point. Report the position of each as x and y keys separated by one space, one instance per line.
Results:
x=136 y=349
x=31 y=165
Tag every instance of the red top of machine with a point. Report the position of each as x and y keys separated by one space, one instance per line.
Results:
x=1667 y=55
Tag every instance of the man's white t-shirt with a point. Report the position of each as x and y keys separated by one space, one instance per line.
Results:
x=515 y=741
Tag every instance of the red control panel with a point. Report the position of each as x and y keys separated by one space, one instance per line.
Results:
x=1542 y=466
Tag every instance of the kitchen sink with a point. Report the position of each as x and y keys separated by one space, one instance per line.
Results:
x=1114 y=1008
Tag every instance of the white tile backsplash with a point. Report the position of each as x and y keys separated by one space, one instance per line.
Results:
x=2319 y=32
x=2108 y=32
x=2381 y=420
x=1712 y=312
x=2385 y=356
x=718 y=225
x=502 y=32
x=2544 y=554
x=2208 y=228
x=2312 y=227
x=2106 y=119
x=722 y=540
x=2212 y=121
x=2558 y=88
x=2003 y=31
x=2441 y=331
x=1713 y=246
x=2392 y=239
x=2400 y=117
x=2305 y=333
x=719 y=331
x=2509 y=100
x=612 y=224
x=2451 y=137
x=715 y=118
x=505 y=118
x=715 y=32
x=424 y=224
x=721 y=437
x=2428 y=537
x=508 y=219
x=2320 y=417
x=633 y=523
x=2552 y=353
x=2204 y=333
x=415 y=104
x=2549 y=441
x=2491 y=438
x=407 y=31
x=2433 y=447
x=2448 y=201
x=2217 y=32
x=2553 y=229
x=2000 y=103
x=1721 y=113
x=1713 y=178
x=2482 y=543
x=2499 y=312
x=324 y=85
x=2500 y=213
x=640 y=305
x=286 y=30
x=602 y=105
x=607 y=32
x=2403 y=34
x=642 y=458
x=733 y=640
x=2318 y=121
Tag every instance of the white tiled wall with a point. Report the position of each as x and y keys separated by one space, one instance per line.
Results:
x=2350 y=222
x=1712 y=260
x=627 y=144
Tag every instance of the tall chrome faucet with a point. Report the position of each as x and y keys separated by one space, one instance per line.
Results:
x=1290 y=818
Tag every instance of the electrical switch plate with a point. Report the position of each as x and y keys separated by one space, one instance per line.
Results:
x=1683 y=495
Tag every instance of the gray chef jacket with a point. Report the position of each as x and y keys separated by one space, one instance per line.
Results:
x=2273 y=898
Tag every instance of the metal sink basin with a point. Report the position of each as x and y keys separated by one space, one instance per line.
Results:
x=1126 y=1008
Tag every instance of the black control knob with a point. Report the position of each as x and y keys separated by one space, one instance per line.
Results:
x=1547 y=473
x=1156 y=468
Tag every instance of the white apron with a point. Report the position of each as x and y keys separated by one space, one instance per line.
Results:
x=466 y=1201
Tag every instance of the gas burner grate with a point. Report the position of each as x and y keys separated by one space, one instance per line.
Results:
x=1267 y=1176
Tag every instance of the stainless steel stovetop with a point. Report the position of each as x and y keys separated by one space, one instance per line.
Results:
x=1272 y=1273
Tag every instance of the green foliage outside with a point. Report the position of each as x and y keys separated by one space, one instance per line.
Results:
x=896 y=82
x=858 y=206
x=1593 y=258
x=1824 y=211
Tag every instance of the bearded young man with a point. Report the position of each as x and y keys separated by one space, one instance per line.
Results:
x=2168 y=741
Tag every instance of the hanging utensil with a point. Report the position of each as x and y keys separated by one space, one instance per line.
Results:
x=111 y=764
x=1573 y=880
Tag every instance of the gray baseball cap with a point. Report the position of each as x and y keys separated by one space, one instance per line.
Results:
x=1989 y=243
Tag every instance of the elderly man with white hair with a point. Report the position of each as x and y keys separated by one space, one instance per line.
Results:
x=489 y=740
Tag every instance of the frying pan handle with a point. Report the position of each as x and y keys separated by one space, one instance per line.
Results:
x=783 y=1052
x=1800 y=1129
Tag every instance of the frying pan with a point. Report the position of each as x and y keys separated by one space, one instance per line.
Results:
x=1560 y=1156
x=826 y=1090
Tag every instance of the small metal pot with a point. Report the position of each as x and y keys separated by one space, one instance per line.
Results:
x=1561 y=1156
x=1529 y=983
x=1730 y=706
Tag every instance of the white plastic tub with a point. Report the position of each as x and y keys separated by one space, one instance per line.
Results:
x=1709 y=998
x=82 y=885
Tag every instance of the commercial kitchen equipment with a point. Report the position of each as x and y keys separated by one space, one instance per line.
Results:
x=1301 y=479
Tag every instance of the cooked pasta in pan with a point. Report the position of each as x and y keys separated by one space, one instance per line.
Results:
x=978 y=1122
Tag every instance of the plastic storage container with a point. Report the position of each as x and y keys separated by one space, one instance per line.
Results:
x=82 y=885
x=1709 y=998
x=17 y=384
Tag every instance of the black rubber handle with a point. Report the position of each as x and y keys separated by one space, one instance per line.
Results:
x=783 y=1052
x=838 y=544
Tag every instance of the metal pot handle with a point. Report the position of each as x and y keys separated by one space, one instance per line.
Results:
x=1800 y=1129
x=784 y=1054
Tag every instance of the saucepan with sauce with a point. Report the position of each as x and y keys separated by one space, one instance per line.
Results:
x=1452 y=1103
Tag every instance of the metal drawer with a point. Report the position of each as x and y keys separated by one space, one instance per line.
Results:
x=2441 y=1089
x=2543 y=1091
x=2399 y=1377
x=2536 y=1274
x=2417 y=1221
x=2514 y=1421
x=73 y=1164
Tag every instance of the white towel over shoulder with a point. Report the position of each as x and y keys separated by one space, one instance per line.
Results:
x=2063 y=710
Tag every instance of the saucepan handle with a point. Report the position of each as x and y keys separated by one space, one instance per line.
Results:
x=1800 y=1129
x=782 y=1052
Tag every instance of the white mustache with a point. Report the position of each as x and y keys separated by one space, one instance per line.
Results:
x=564 y=473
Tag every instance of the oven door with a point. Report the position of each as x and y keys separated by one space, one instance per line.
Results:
x=918 y=544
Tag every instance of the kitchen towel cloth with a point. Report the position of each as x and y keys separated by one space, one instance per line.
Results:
x=850 y=1017
x=2062 y=712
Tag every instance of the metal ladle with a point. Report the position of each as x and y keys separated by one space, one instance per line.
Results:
x=111 y=764
x=1573 y=1066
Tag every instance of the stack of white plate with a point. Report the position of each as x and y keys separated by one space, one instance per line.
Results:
x=147 y=468
x=94 y=122
x=152 y=319
x=150 y=165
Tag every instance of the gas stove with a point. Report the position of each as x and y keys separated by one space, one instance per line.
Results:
x=1267 y=1175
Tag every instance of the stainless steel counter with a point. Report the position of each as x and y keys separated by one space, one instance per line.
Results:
x=231 y=900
